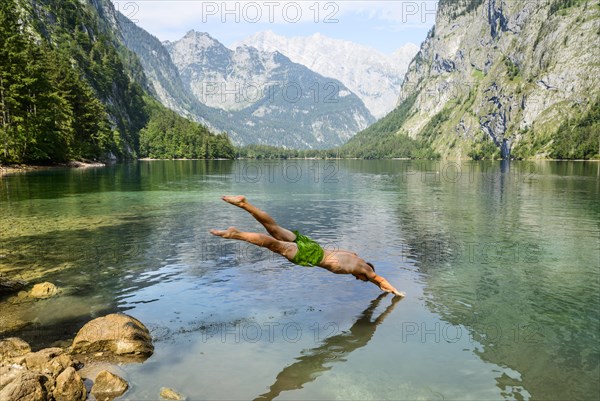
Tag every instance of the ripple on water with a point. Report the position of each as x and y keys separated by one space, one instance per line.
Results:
x=527 y=316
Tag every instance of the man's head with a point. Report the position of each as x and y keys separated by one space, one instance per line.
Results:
x=362 y=276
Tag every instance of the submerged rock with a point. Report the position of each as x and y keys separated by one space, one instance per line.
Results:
x=69 y=386
x=117 y=334
x=13 y=347
x=170 y=394
x=108 y=386
x=43 y=290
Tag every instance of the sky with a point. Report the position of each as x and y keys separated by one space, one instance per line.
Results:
x=382 y=25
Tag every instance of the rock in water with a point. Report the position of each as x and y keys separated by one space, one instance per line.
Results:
x=13 y=346
x=118 y=334
x=26 y=386
x=69 y=386
x=108 y=386
x=170 y=394
x=43 y=290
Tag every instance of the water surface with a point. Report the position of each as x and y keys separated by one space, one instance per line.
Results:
x=500 y=263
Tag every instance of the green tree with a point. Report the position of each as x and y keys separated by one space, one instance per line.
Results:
x=12 y=80
x=168 y=135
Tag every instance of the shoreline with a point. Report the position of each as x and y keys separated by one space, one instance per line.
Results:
x=6 y=169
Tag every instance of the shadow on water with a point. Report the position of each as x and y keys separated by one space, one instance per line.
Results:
x=334 y=349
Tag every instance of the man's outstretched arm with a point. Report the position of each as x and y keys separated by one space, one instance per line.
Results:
x=383 y=284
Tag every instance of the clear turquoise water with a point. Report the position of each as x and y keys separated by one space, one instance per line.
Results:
x=500 y=263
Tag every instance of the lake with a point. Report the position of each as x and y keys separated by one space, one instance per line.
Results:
x=500 y=262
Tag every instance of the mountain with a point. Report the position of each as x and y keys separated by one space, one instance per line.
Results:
x=271 y=100
x=71 y=90
x=374 y=77
x=163 y=77
x=498 y=78
x=164 y=80
x=256 y=97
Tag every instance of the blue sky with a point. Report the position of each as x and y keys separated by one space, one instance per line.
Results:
x=383 y=25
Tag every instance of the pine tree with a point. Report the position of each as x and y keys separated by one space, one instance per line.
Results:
x=12 y=85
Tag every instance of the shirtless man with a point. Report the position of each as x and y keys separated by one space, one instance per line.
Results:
x=300 y=249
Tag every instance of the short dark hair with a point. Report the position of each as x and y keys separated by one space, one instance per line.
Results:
x=372 y=267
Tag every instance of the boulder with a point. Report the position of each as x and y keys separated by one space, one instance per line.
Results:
x=8 y=373
x=92 y=368
x=26 y=386
x=117 y=334
x=43 y=290
x=170 y=394
x=58 y=364
x=12 y=347
x=69 y=386
x=38 y=361
x=108 y=386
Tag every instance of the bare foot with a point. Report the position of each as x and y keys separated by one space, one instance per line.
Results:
x=229 y=233
x=238 y=200
x=399 y=294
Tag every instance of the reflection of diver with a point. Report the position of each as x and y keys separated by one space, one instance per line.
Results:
x=312 y=363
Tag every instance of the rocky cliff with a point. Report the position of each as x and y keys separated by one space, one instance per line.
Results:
x=510 y=78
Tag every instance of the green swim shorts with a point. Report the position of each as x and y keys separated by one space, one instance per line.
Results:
x=309 y=252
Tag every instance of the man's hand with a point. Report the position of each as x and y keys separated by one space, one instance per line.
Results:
x=384 y=285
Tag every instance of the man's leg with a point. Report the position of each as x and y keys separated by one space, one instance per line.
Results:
x=262 y=217
x=283 y=248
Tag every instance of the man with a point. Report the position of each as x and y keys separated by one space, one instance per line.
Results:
x=300 y=249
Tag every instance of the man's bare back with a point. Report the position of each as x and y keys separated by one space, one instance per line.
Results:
x=286 y=243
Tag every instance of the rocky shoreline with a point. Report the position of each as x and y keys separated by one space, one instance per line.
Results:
x=25 y=168
x=88 y=368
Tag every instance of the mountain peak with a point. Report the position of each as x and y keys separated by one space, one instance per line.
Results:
x=197 y=41
x=193 y=32
x=201 y=38
x=372 y=75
